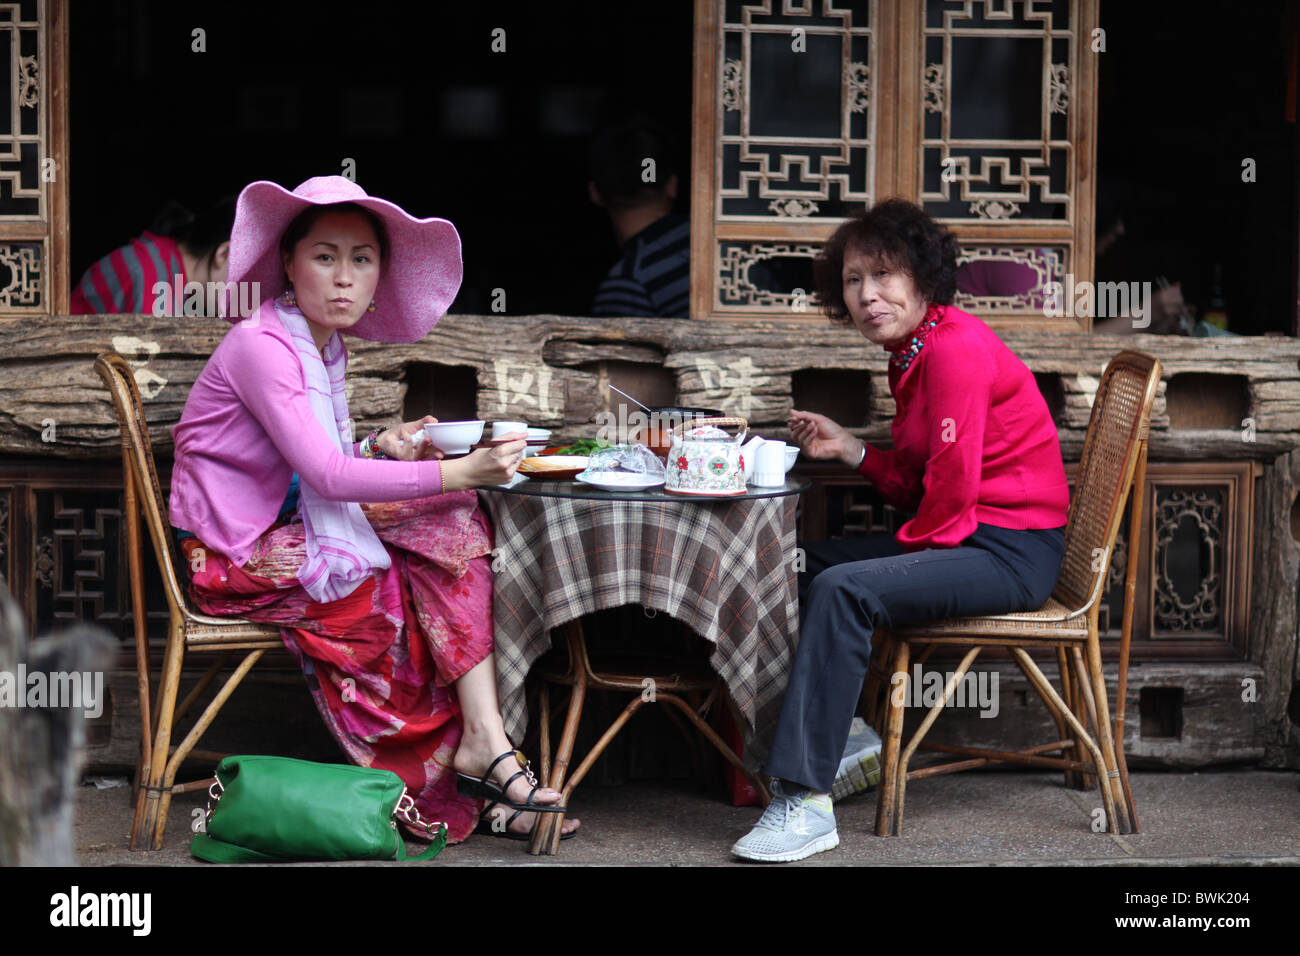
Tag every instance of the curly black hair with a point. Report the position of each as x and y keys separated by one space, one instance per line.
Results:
x=900 y=233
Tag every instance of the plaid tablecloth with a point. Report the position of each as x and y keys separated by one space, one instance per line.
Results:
x=726 y=569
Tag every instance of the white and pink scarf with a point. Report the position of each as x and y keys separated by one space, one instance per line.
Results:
x=342 y=547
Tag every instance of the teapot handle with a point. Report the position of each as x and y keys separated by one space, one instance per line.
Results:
x=740 y=423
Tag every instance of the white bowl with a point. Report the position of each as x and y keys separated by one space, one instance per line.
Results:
x=791 y=456
x=454 y=438
x=500 y=429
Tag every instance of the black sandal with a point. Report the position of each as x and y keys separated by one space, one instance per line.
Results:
x=486 y=828
x=483 y=788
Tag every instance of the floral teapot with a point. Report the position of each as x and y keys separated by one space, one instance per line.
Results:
x=705 y=460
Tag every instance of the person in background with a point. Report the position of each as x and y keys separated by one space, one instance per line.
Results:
x=634 y=180
x=1141 y=257
x=178 y=243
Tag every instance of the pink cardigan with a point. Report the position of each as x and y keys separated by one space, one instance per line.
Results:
x=973 y=441
x=247 y=427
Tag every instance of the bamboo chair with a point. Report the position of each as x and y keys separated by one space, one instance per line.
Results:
x=1113 y=461
x=186 y=631
x=690 y=678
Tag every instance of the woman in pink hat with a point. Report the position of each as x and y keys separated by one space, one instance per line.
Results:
x=372 y=557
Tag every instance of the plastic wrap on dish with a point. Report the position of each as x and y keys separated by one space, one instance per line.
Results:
x=625 y=459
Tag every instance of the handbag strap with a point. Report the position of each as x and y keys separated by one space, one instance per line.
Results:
x=435 y=847
x=410 y=813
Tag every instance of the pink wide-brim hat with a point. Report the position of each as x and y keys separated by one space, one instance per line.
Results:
x=419 y=277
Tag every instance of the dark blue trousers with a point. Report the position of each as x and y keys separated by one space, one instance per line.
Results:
x=855 y=585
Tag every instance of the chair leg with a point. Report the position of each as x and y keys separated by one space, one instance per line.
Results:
x=556 y=828
x=549 y=823
x=883 y=652
x=949 y=689
x=719 y=744
x=544 y=728
x=209 y=714
x=1106 y=741
x=144 y=692
x=204 y=682
x=1082 y=700
x=691 y=740
x=1127 y=787
x=895 y=699
x=599 y=747
x=1073 y=778
x=1137 y=498
x=1045 y=688
x=151 y=817
x=141 y=792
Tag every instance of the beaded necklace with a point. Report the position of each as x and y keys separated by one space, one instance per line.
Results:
x=901 y=356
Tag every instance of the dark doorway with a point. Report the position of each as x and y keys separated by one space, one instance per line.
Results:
x=434 y=118
x=1188 y=93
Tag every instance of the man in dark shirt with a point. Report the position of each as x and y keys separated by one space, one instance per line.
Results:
x=633 y=179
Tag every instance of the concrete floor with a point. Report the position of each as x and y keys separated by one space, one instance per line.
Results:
x=1237 y=818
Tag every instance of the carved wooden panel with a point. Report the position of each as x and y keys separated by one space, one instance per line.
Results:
x=796 y=131
x=66 y=557
x=997 y=79
x=805 y=111
x=1001 y=120
x=787 y=142
x=33 y=158
x=1193 y=579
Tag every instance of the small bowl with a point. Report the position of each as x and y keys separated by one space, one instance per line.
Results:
x=538 y=438
x=791 y=456
x=454 y=438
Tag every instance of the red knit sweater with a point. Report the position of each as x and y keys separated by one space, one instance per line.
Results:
x=973 y=441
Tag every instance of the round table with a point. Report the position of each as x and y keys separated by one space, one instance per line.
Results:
x=726 y=567
x=521 y=485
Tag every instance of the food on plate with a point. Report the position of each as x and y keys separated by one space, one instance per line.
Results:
x=553 y=467
x=583 y=447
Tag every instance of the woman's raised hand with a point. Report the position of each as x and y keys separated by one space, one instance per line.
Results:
x=408 y=442
x=485 y=466
x=819 y=437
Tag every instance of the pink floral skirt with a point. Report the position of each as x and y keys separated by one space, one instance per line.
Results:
x=380 y=662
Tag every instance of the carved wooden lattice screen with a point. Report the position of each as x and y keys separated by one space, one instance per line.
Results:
x=34 y=159
x=982 y=111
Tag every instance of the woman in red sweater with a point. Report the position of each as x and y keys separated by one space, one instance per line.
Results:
x=975 y=456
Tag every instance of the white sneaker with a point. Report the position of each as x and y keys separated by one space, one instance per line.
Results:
x=860 y=768
x=792 y=827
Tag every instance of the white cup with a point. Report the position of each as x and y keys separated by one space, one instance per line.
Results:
x=505 y=428
x=769 y=464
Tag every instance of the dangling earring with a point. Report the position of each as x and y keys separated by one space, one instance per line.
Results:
x=372 y=306
x=288 y=297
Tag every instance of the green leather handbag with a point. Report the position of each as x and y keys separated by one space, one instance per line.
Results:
x=268 y=809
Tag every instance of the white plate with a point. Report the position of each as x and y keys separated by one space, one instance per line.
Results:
x=628 y=481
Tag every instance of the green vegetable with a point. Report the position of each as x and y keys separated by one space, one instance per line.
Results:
x=584 y=447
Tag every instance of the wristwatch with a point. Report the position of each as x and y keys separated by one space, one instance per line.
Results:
x=863 y=458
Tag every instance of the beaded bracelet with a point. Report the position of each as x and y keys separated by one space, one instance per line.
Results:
x=370 y=447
